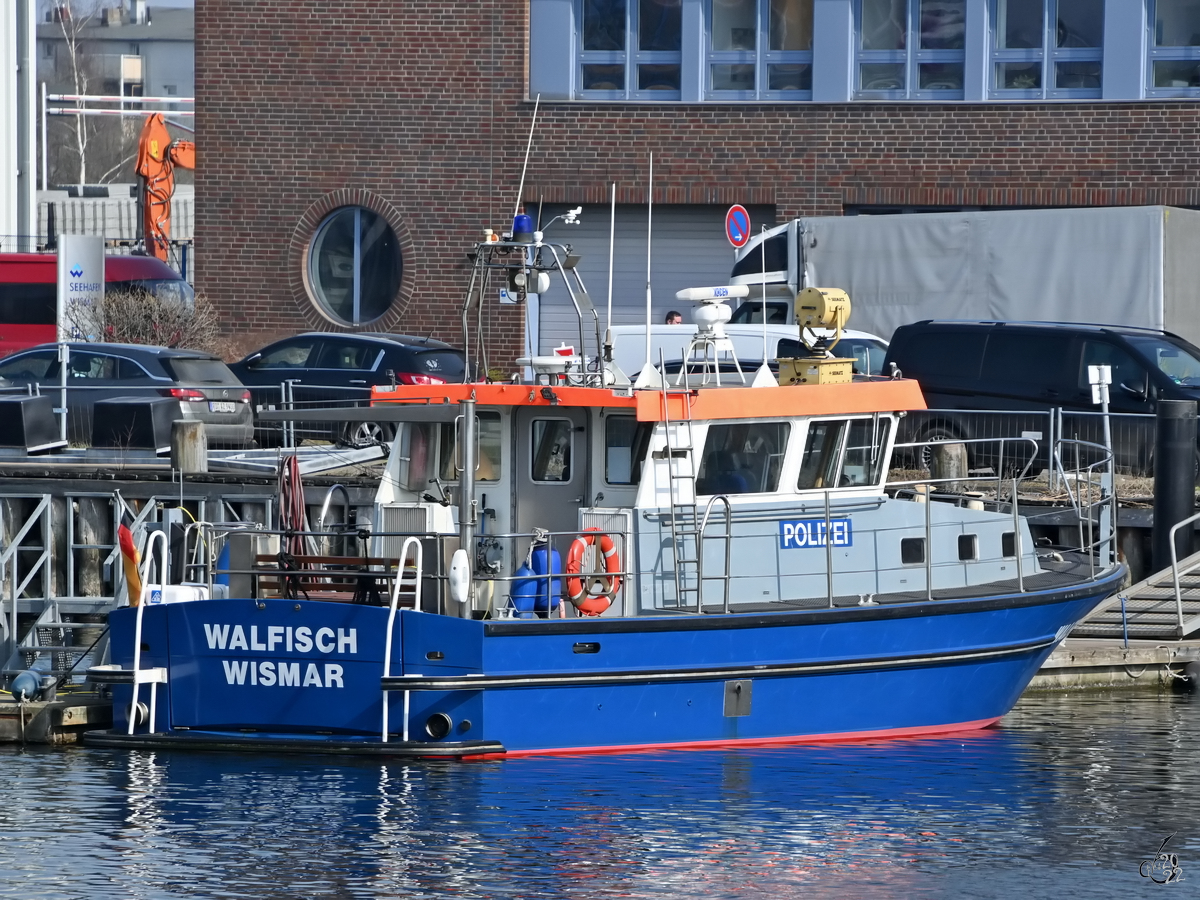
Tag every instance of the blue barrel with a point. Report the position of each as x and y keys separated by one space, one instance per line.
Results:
x=547 y=561
x=223 y=565
x=524 y=590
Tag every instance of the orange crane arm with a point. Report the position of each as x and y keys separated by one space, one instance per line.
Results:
x=157 y=157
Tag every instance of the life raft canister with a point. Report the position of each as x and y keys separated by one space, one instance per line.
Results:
x=592 y=604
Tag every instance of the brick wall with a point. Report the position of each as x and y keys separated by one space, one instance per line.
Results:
x=420 y=106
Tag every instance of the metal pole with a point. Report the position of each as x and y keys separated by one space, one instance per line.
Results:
x=929 y=543
x=45 y=168
x=64 y=359
x=828 y=554
x=1017 y=538
x=466 y=495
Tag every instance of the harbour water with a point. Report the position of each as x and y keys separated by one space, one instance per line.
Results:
x=1067 y=796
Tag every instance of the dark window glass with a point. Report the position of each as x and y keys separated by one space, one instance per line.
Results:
x=626 y=441
x=1019 y=24
x=742 y=459
x=169 y=290
x=770 y=255
x=1127 y=373
x=604 y=25
x=1024 y=358
x=1019 y=76
x=1176 y=24
x=447 y=365
x=968 y=547
x=822 y=456
x=84 y=365
x=791 y=25
x=789 y=77
x=29 y=366
x=487 y=466
x=912 y=550
x=658 y=77
x=200 y=371
x=346 y=355
x=551 y=450
x=882 y=76
x=659 y=24
x=1080 y=23
x=751 y=313
x=1008 y=543
x=863 y=463
x=603 y=78
x=1176 y=73
x=127 y=370
x=354 y=265
x=884 y=24
x=940 y=76
x=28 y=304
x=1177 y=363
x=287 y=356
x=957 y=354
x=734 y=24
x=943 y=24
x=733 y=77
x=1077 y=75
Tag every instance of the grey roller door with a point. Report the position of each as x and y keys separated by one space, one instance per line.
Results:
x=690 y=250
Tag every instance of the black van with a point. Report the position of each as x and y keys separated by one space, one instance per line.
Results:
x=1010 y=367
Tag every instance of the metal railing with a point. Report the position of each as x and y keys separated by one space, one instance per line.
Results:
x=16 y=575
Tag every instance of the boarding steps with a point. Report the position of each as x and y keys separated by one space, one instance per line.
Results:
x=66 y=637
x=1151 y=611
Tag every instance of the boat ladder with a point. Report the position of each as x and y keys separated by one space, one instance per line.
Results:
x=685 y=519
x=415 y=584
x=136 y=675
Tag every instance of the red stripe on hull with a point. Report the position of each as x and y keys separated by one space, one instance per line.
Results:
x=884 y=734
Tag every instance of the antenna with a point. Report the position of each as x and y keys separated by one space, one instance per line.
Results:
x=612 y=243
x=528 y=145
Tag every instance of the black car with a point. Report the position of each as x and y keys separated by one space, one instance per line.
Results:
x=1013 y=373
x=202 y=384
x=326 y=369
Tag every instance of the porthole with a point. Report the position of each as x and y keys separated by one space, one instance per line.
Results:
x=354 y=265
x=912 y=551
x=968 y=547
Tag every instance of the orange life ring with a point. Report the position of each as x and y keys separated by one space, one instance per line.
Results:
x=592 y=604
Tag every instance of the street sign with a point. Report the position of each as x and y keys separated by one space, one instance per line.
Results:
x=737 y=226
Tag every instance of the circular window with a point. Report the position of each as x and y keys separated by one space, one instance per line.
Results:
x=354 y=265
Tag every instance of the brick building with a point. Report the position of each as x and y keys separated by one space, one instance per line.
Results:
x=349 y=154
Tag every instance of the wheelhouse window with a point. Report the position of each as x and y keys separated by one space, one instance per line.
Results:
x=911 y=49
x=487 y=449
x=744 y=458
x=760 y=49
x=843 y=453
x=631 y=49
x=551 y=445
x=1048 y=49
x=354 y=265
x=625 y=443
x=1175 y=49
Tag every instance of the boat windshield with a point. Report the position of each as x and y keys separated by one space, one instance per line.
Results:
x=843 y=453
x=1176 y=362
x=743 y=458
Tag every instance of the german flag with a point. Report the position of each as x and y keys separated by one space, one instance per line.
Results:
x=130 y=559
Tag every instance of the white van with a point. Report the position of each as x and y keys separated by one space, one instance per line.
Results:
x=629 y=345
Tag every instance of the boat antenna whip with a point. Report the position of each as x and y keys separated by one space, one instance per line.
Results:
x=649 y=376
x=763 y=377
x=528 y=145
x=612 y=241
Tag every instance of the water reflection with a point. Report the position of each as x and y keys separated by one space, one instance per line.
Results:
x=1072 y=792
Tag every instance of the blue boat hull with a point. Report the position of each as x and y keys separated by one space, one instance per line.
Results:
x=300 y=675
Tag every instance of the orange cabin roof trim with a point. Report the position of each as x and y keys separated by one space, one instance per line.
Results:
x=891 y=395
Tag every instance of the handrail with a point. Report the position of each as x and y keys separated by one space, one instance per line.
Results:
x=700 y=550
x=159 y=537
x=1175 y=567
x=387 y=647
x=328 y=498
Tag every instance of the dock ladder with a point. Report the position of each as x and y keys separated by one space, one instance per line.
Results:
x=685 y=519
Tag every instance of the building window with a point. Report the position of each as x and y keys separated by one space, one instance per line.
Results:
x=631 y=49
x=1175 y=49
x=354 y=265
x=760 y=49
x=911 y=49
x=1047 y=49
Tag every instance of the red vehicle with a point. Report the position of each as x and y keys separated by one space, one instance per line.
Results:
x=28 y=292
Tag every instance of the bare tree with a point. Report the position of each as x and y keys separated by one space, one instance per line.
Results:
x=140 y=317
x=73 y=18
